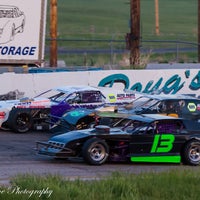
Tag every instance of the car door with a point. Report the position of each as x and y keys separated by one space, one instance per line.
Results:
x=158 y=143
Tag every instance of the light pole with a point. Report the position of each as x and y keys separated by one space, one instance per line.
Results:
x=157 y=17
x=135 y=33
x=198 y=30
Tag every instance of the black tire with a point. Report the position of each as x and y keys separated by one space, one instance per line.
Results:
x=191 y=153
x=20 y=121
x=95 y=151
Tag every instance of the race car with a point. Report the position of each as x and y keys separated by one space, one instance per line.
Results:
x=136 y=138
x=178 y=105
x=27 y=113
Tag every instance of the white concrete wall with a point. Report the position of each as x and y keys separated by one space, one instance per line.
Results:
x=32 y=84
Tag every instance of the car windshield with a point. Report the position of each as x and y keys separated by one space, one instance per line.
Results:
x=72 y=97
x=140 y=104
x=144 y=102
x=134 y=126
x=155 y=127
x=54 y=95
x=128 y=125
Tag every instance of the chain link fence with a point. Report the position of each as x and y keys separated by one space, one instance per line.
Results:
x=113 y=54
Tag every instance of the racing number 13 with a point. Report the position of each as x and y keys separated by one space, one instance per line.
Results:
x=162 y=143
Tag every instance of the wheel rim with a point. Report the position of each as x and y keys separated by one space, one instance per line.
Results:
x=194 y=153
x=23 y=121
x=97 y=152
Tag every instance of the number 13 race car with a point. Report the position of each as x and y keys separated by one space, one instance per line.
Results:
x=135 y=138
x=27 y=113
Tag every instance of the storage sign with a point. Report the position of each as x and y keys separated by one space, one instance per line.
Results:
x=22 y=31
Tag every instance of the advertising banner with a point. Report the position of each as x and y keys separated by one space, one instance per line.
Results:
x=22 y=31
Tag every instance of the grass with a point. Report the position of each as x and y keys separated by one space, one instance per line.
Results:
x=110 y=20
x=175 y=184
x=91 y=18
x=178 y=19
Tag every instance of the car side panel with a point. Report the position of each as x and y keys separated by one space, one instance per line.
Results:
x=157 y=148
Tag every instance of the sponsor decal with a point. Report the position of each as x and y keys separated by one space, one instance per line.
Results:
x=125 y=96
x=112 y=98
x=198 y=107
x=34 y=104
x=192 y=107
x=76 y=113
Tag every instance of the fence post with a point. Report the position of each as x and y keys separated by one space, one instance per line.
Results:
x=177 y=52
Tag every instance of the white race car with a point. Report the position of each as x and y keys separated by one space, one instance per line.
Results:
x=32 y=113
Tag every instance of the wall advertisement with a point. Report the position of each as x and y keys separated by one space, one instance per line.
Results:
x=22 y=31
x=166 y=81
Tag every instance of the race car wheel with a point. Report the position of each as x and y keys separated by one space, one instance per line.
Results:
x=21 y=122
x=191 y=154
x=95 y=151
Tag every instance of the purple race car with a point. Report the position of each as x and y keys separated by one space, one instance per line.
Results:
x=25 y=114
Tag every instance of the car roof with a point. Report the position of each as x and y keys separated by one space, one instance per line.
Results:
x=171 y=97
x=141 y=117
x=151 y=117
x=75 y=88
x=112 y=114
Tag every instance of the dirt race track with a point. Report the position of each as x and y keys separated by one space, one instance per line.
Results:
x=18 y=156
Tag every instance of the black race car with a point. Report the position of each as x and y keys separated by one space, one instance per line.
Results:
x=136 y=138
x=178 y=105
x=183 y=106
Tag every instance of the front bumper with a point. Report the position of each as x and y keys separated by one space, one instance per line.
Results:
x=53 y=150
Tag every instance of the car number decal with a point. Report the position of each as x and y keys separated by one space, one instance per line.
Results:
x=162 y=143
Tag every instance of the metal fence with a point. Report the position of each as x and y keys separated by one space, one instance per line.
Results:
x=111 y=52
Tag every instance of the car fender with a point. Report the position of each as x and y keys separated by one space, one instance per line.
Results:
x=13 y=111
x=71 y=136
x=6 y=115
x=74 y=116
x=195 y=138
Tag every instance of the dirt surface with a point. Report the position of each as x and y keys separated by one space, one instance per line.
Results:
x=18 y=156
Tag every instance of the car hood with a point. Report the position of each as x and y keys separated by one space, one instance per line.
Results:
x=70 y=136
x=8 y=103
x=72 y=117
x=80 y=134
